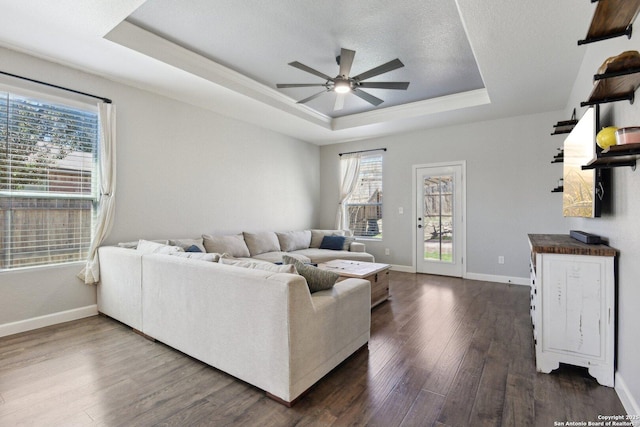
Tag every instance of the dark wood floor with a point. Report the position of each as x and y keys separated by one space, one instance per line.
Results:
x=444 y=352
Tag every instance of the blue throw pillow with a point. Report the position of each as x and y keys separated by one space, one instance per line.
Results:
x=193 y=248
x=335 y=243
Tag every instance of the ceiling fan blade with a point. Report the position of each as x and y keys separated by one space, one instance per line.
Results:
x=381 y=69
x=339 y=105
x=368 y=97
x=304 y=101
x=346 y=61
x=303 y=67
x=285 y=85
x=385 y=85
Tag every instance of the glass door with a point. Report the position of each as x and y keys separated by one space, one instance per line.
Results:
x=439 y=220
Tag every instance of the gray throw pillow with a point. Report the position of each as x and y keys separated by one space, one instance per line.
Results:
x=294 y=240
x=317 y=279
x=233 y=245
x=261 y=242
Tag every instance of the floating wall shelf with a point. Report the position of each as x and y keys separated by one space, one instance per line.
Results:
x=612 y=18
x=616 y=156
x=558 y=158
x=565 y=126
x=614 y=86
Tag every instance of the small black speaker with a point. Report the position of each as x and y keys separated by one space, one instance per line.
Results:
x=588 y=238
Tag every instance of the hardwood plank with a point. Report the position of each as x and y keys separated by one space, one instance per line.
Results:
x=425 y=410
x=519 y=402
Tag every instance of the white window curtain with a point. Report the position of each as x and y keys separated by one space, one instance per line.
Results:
x=349 y=171
x=90 y=274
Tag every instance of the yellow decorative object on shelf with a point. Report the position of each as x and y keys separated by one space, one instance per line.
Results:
x=606 y=137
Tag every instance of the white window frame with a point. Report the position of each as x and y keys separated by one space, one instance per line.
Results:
x=7 y=193
x=361 y=213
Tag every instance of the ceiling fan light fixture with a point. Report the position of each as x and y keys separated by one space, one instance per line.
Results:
x=342 y=86
x=343 y=83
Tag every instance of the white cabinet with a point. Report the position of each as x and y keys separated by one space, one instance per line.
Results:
x=573 y=306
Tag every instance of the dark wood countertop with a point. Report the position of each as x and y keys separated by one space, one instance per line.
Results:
x=566 y=245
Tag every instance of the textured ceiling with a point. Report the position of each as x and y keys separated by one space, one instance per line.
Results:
x=258 y=39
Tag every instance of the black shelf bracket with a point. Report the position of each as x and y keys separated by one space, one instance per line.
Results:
x=628 y=97
x=613 y=164
x=616 y=73
x=627 y=32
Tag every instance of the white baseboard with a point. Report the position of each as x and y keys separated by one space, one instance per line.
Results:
x=47 y=320
x=628 y=401
x=403 y=268
x=473 y=276
x=499 y=279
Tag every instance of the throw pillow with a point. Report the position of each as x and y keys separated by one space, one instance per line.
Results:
x=193 y=248
x=335 y=243
x=294 y=240
x=262 y=242
x=134 y=244
x=265 y=266
x=317 y=279
x=188 y=243
x=198 y=255
x=318 y=235
x=233 y=245
x=347 y=243
x=148 y=247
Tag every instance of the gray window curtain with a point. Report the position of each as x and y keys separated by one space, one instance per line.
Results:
x=349 y=171
x=90 y=274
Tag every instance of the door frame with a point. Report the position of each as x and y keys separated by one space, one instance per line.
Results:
x=414 y=217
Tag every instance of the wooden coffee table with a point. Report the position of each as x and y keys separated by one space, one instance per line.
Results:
x=377 y=274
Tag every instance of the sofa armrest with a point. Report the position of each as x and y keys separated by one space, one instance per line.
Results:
x=119 y=293
x=357 y=247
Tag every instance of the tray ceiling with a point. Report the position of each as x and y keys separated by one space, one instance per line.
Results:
x=258 y=39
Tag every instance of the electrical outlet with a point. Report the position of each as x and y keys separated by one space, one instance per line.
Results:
x=401 y=210
x=387 y=251
x=500 y=259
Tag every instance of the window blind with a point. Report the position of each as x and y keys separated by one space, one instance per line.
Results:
x=48 y=181
x=364 y=206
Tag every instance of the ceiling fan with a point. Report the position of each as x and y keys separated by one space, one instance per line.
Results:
x=343 y=83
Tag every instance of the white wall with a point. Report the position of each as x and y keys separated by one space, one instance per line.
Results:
x=509 y=181
x=621 y=223
x=182 y=171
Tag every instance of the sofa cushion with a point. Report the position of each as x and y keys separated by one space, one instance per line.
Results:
x=134 y=244
x=233 y=245
x=318 y=235
x=187 y=243
x=334 y=243
x=259 y=243
x=201 y=256
x=294 y=240
x=347 y=243
x=265 y=266
x=149 y=247
x=324 y=255
x=275 y=257
x=317 y=279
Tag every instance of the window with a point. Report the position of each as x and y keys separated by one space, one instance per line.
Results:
x=48 y=181
x=364 y=205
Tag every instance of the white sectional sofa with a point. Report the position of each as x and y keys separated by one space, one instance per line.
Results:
x=305 y=245
x=263 y=327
